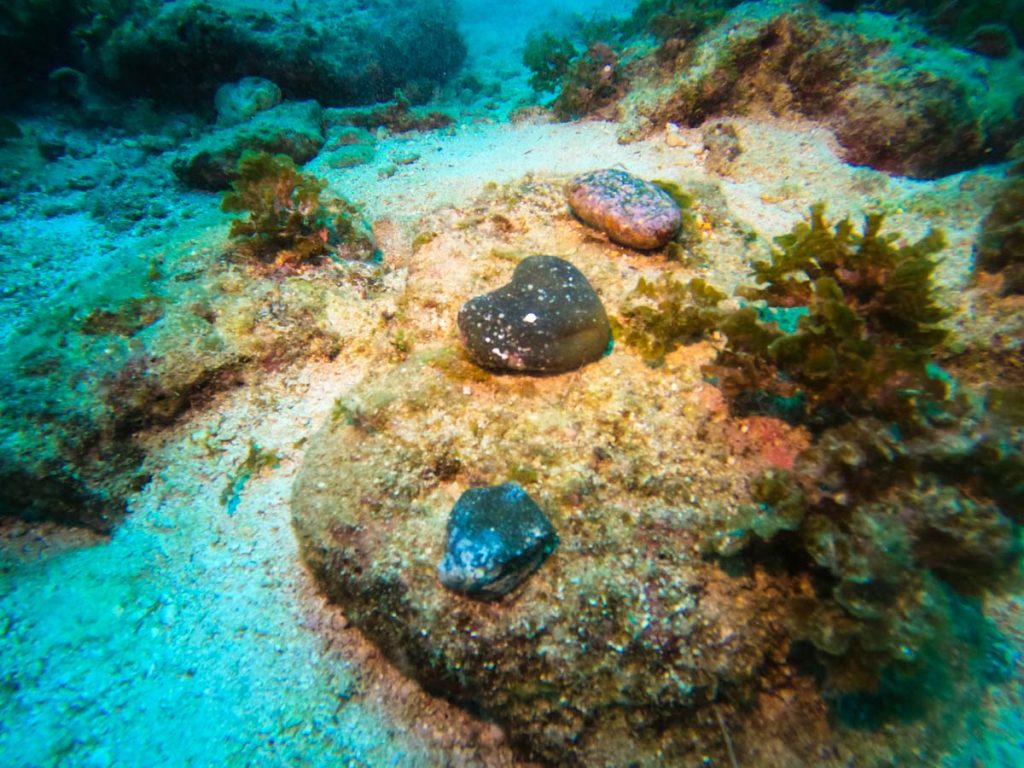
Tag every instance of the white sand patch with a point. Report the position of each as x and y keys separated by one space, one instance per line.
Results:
x=194 y=637
x=452 y=168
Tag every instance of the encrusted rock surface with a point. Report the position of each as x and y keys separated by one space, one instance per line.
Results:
x=178 y=52
x=237 y=102
x=546 y=319
x=631 y=211
x=336 y=51
x=610 y=653
x=896 y=100
x=293 y=128
x=605 y=655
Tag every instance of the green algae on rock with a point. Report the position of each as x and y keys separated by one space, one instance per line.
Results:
x=497 y=537
x=894 y=98
x=211 y=163
x=546 y=319
x=631 y=211
x=288 y=222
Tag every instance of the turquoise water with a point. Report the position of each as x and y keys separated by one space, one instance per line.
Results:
x=787 y=500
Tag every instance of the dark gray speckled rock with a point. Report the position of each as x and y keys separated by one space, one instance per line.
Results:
x=547 y=319
x=497 y=537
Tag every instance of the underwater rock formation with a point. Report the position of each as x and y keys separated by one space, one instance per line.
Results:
x=338 y=52
x=36 y=38
x=631 y=211
x=397 y=115
x=294 y=129
x=958 y=22
x=75 y=388
x=178 y=53
x=497 y=537
x=1000 y=246
x=610 y=652
x=894 y=104
x=924 y=127
x=237 y=102
x=546 y=319
x=633 y=644
x=63 y=468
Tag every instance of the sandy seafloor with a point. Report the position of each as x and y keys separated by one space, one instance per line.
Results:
x=194 y=636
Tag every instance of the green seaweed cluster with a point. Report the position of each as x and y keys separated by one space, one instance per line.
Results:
x=908 y=502
x=289 y=224
x=907 y=506
x=658 y=317
x=893 y=536
x=586 y=82
x=594 y=80
x=866 y=331
x=547 y=56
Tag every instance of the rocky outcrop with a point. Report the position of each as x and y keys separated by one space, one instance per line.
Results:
x=294 y=129
x=338 y=52
x=895 y=102
x=179 y=53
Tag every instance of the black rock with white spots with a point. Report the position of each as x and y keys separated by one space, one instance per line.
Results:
x=547 y=319
x=497 y=537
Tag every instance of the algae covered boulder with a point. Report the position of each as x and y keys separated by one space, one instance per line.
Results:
x=609 y=653
x=294 y=129
x=896 y=98
x=336 y=51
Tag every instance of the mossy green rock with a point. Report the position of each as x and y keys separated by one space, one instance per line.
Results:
x=547 y=319
x=294 y=129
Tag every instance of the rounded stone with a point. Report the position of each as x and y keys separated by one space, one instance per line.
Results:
x=546 y=319
x=237 y=102
x=631 y=211
x=497 y=537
